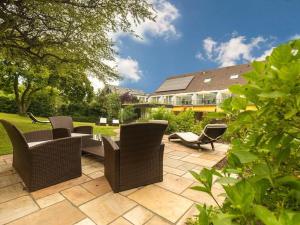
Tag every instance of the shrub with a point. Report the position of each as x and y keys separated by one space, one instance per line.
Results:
x=128 y=114
x=44 y=103
x=8 y=104
x=162 y=113
x=261 y=179
x=113 y=106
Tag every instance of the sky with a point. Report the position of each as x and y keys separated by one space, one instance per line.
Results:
x=196 y=35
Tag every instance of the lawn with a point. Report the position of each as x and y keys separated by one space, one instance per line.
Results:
x=25 y=124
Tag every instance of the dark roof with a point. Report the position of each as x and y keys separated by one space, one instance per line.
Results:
x=123 y=90
x=220 y=79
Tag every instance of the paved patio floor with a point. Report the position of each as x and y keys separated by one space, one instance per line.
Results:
x=88 y=200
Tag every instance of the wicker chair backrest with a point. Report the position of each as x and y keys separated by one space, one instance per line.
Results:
x=61 y=122
x=139 y=150
x=212 y=132
x=16 y=137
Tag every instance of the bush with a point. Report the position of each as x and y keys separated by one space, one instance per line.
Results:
x=8 y=104
x=128 y=114
x=43 y=103
x=183 y=122
x=261 y=179
x=162 y=113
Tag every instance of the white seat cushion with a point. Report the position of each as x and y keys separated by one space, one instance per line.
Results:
x=79 y=135
x=188 y=136
x=31 y=144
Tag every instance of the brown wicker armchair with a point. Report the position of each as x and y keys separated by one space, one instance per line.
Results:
x=63 y=127
x=137 y=159
x=67 y=122
x=41 y=161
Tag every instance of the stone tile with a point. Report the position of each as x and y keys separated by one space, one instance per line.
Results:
x=157 y=221
x=103 y=210
x=172 y=162
x=174 y=157
x=204 y=198
x=138 y=216
x=59 y=187
x=163 y=202
x=86 y=221
x=50 y=200
x=11 y=192
x=121 y=221
x=216 y=158
x=98 y=186
x=96 y=174
x=86 y=160
x=77 y=195
x=199 y=161
x=187 y=166
x=173 y=170
x=193 y=211
x=6 y=169
x=178 y=153
x=128 y=192
x=175 y=183
x=10 y=179
x=59 y=213
x=93 y=167
x=16 y=208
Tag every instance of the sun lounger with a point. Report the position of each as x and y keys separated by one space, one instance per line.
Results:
x=210 y=134
x=35 y=120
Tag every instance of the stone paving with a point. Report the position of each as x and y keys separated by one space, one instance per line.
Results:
x=88 y=200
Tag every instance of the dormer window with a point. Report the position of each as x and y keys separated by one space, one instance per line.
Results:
x=234 y=76
x=207 y=80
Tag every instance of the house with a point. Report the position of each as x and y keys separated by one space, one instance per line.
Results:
x=139 y=94
x=200 y=91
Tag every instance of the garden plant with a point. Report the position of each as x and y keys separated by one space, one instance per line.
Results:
x=262 y=176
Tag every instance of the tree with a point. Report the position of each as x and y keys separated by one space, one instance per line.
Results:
x=67 y=30
x=60 y=42
x=25 y=80
x=113 y=106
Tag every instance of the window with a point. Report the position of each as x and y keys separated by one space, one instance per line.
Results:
x=207 y=80
x=234 y=76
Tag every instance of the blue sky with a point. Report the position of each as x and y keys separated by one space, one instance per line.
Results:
x=194 y=35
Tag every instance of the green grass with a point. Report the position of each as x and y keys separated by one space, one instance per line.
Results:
x=25 y=125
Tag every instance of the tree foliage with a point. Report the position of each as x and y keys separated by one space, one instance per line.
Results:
x=60 y=43
x=67 y=30
x=262 y=178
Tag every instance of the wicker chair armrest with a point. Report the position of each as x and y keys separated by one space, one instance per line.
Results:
x=70 y=145
x=39 y=135
x=112 y=162
x=83 y=129
x=61 y=133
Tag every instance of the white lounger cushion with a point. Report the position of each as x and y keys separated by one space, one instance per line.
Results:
x=188 y=136
x=115 y=121
x=103 y=120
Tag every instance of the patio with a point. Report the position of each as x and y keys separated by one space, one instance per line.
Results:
x=89 y=200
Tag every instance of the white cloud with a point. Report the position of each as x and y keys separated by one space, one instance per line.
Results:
x=265 y=54
x=127 y=68
x=163 y=26
x=231 y=52
x=296 y=36
x=209 y=44
x=200 y=56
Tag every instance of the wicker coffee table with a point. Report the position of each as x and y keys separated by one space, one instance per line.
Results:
x=94 y=146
